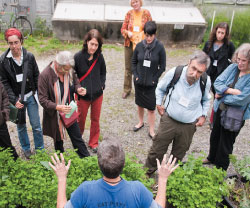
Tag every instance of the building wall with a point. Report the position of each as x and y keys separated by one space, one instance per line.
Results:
x=38 y=8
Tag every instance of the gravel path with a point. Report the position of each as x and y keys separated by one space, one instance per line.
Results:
x=119 y=116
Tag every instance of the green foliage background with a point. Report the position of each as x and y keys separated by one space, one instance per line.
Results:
x=33 y=184
x=240 y=29
x=194 y=185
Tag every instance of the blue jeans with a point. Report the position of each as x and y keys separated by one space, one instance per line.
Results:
x=32 y=107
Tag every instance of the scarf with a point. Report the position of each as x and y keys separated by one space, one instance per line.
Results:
x=60 y=101
x=148 y=48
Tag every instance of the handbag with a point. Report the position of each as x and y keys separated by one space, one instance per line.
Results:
x=13 y=113
x=231 y=116
x=67 y=122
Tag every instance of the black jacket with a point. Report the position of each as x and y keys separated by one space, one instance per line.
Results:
x=8 y=76
x=95 y=81
x=148 y=76
x=225 y=54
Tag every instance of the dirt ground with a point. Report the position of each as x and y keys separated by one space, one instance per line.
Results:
x=119 y=116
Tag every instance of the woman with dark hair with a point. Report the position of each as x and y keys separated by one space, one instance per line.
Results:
x=132 y=31
x=220 y=51
x=90 y=68
x=148 y=63
x=232 y=89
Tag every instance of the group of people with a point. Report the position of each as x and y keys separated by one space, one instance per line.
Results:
x=181 y=97
x=24 y=87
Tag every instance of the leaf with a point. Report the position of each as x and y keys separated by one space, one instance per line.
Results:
x=46 y=164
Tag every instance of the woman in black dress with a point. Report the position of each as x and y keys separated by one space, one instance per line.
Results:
x=148 y=63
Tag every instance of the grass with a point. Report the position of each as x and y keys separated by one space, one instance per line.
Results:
x=178 y=52
x=39 y=45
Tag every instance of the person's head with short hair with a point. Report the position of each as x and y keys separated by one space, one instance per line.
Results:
x=111 y=157
x=136 y=4
x=220 y=33
x=64 y=63
x=242 y=57
x=150 y=31
x=14 y=39
x=13 y=31
x=198 y=64
x=92 y=42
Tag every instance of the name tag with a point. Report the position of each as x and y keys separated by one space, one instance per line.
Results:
x=184 y=101
x=146 y=63
x=136 y=29
x=19 y=77
x=215 y=63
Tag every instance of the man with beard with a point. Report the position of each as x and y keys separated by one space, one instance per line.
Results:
x=185 y=108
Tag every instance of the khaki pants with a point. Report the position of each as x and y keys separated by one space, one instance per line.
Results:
x=169 y=130
x=128 y=52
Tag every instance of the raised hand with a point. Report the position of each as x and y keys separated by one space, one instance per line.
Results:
x=166 y=168
x=59 y=167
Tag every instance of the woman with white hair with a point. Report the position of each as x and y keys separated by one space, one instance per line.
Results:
x=132 y=31
x=56 y=87
x=232 y=89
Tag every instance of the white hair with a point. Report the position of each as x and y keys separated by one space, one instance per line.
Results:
x=65 y=58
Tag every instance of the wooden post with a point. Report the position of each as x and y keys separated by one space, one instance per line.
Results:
x=212 y=25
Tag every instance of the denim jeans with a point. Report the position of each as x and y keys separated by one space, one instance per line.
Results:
x=32 y=107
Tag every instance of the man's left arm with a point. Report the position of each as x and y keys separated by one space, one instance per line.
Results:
x=164 y=171
x=205 y=103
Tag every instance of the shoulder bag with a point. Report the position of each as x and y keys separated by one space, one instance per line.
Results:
x=231 y=116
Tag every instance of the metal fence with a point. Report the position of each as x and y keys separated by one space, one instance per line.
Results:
x=236 y=2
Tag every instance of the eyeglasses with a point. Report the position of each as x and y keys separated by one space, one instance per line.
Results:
x=14 y=43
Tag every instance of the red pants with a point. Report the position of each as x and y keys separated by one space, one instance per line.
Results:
x=83 y=106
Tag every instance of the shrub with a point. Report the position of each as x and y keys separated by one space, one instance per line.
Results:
x=33 y=183
x=194 y=185
x=240 y=30
x=242 y=166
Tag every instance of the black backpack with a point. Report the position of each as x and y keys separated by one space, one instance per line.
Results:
x=176 y=77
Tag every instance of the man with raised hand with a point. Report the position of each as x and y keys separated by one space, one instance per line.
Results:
x=111 y=189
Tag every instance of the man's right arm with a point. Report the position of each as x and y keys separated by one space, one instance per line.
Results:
x=161 y=89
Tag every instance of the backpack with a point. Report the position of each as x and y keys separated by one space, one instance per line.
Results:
x=176 y=77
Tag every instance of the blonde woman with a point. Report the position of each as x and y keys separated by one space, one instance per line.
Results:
x=132 y=31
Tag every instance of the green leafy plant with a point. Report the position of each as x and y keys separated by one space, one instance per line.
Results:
x=33 y=183
x=239 y=190
x=41 y=28
x=194 y=185
x=242 y=166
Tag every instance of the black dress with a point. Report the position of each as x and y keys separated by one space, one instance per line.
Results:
x=147 y=75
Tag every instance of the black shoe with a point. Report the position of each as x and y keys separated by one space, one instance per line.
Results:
x=27 y=154
x=150 y=136
x=135 y=129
